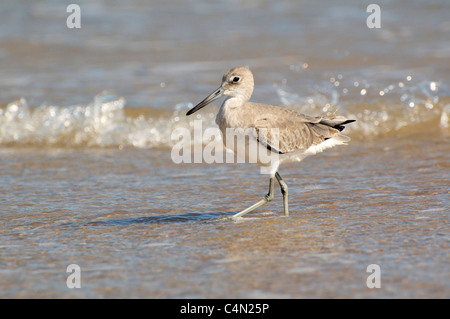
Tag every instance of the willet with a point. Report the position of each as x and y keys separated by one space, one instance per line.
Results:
x=298 y=135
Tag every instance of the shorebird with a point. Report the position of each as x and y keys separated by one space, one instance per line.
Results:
x=296 y=135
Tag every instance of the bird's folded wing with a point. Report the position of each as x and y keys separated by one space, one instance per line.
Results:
x=292 y=132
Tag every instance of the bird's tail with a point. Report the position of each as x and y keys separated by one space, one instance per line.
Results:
x=330 y=127
x=336 y=122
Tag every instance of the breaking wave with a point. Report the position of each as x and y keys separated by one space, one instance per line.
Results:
x=108 y=122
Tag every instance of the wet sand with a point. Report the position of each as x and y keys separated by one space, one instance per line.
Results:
x=140 y=226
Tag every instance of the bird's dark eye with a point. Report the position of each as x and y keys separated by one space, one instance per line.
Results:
x=236 y=79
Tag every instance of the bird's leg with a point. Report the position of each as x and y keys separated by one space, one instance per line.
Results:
x=267 y=198
x=284 y=191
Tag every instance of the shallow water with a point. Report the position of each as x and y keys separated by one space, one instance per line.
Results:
x=87 y=176
x=140 y=226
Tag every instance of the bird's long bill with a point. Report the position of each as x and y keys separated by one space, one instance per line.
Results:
x=213 y=96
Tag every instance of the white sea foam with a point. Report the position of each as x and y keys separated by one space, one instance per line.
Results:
x=108 y=122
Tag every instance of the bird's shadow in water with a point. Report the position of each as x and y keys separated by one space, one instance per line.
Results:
x=165 y=219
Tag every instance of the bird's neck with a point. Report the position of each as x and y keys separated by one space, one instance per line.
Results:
x=229 y=113
x=233 y=103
